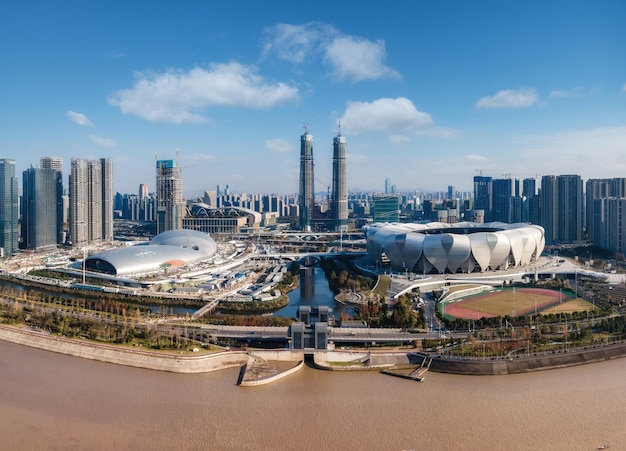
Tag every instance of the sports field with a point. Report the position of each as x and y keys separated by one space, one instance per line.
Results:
x=515 y=302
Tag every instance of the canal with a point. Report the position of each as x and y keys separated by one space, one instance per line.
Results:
x=313 y=291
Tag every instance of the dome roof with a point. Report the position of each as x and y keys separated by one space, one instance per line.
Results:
x=174 y=247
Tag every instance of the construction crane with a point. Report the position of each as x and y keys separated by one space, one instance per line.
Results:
x=327 y=190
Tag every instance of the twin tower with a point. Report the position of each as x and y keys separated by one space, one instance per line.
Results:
x=339 y=187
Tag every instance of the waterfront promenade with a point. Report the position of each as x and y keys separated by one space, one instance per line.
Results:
x=333 y=360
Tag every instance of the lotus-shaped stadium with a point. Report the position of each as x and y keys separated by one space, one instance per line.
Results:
x=463 y=247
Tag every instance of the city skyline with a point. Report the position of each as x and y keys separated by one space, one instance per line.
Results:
x=427 y=95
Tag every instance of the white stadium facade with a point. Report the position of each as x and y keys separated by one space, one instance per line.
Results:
x=172 y=248
x=463 y=247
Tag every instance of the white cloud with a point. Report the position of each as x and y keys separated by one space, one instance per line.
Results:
x=559 y=94
x=475 y=157
x=79 y=118
x=510 y=98
x=624 y=88
x=392 y=116
x=180 y=97
x=357 y=59
x=278 y=145
x=102 y=142
x=594 y=153
x=296 y=43
x=352 y=58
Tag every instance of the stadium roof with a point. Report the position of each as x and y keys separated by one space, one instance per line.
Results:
x=172 y=248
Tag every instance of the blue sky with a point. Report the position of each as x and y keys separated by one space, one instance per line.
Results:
x=427 y=93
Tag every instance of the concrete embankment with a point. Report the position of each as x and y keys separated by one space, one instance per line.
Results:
x=261 y=372
x=129 y=357
x=358 y=361
x=527 y=364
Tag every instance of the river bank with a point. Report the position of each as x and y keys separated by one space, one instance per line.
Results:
x=325 y=360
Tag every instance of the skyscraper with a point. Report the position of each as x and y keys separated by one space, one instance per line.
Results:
x=596 y=189
x=91 y=201
x=39 y=208
x=306 y=199
x=502 y=194
x=340 y=185
x=482 y=196
x=548 y=202
x=570 y=208
x=562 y=208
x=56 y=164
x=169 y=192
x=9 y=213
x=143 y=190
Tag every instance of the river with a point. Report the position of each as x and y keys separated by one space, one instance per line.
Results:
x=53 y=401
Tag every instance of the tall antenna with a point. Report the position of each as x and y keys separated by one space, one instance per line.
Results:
x=339 y=126
x=306 y=124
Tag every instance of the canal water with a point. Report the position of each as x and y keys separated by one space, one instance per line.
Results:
x=313 y=291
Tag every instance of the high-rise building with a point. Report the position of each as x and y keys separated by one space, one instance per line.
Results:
x=91 y=201
x=39 y=208
x=339 y=206
x=529 y=187
x=596 y=189
x=143 y=190
x=387 y=185
x=306 y=200
x=9 y=209
x=451 y=192
x=570 y=208
x=502 y=194
x=169 y=192
x=56 y=163
x=386 y=208
x=483 y=199
x=562 y=208
x=548 y=213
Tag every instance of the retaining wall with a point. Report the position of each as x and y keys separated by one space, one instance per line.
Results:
x=271 y=379
x=527 y=364
x=141 y=359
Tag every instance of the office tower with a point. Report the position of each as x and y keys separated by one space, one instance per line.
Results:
x=169 y=191
x=9 y=213
x=596 y=189
x=39 y=208
x=482 y=196
x=387 y=185
x=386 y=208
x=56 y=164
x=548 y=212
x=306 y=200
x=562 y=208
x=502 y=194
x=570 y=208
x=91 y=201
x=143 y=190
x=106 y=166
x=451 y=192
x=529 y=187
x=340 y=185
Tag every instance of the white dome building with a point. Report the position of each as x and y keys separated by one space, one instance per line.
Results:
x=463 y=247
